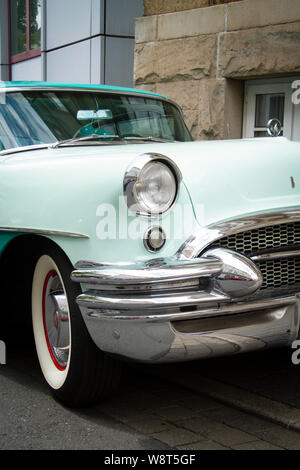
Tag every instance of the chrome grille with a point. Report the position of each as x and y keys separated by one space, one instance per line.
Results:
x=281 y=274
x=251 y=241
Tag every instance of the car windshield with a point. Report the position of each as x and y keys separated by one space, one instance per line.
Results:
x=45 y=117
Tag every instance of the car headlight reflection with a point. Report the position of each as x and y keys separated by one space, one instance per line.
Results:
x=155 y=188
x=151 y=184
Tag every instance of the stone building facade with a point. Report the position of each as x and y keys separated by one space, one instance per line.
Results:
x=231 y=65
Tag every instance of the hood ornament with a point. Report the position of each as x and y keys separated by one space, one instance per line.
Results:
x=274 y=127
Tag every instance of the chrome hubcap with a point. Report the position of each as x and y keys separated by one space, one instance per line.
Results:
x=56 y=320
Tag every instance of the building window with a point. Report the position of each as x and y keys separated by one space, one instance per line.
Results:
x=25 y=29
x=271 y=99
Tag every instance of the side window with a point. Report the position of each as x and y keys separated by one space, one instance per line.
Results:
x=25 y=29
x=266 y=100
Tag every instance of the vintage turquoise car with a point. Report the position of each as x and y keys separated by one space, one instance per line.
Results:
x=129 y=241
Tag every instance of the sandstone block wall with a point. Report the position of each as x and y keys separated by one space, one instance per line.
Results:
x=157 y=7
x=201 y=57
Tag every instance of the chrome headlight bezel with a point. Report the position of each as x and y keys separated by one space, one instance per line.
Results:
x=132 y=176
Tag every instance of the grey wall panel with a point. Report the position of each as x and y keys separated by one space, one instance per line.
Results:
x=27 y=70
x=4 y=72
x=119 y=61
x=4 y=59
x=72 y=20
x=121 y=14
x=70 y=64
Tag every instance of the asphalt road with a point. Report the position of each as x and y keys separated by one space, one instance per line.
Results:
x=31 y=419
x=213 y=404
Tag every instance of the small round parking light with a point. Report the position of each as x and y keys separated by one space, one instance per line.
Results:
x=154 y=239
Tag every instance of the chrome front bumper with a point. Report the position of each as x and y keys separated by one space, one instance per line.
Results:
x=177 y=310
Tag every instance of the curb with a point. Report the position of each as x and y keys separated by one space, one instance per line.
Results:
x=238 y=398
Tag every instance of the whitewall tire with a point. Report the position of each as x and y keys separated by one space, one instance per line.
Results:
x=77 y=372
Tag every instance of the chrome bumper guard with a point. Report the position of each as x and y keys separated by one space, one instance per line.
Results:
x=176 y=310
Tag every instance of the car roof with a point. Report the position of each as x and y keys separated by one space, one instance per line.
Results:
x=40 y=84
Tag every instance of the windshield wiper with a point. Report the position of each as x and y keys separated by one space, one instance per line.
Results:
x=146 y=139
x=107 y=137
x=83 y=139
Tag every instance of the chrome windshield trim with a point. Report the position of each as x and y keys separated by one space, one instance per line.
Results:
x=57 y=233
x=205 y=236
x=27 y=148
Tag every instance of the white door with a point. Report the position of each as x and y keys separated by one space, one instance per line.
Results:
x=271 y=99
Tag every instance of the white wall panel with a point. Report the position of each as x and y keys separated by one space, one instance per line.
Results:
x=97 y=17
x=70 y=64
x=97 y=60
x=27 y=70
x=72 y=20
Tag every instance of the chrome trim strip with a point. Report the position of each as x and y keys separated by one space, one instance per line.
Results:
x=96 y=301
x=276 y=255
x=162 y=271
x=43 y=232
x=27 y=148
x=91 y=303
x=205 y=236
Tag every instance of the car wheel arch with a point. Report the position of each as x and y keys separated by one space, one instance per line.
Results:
x=17 y=264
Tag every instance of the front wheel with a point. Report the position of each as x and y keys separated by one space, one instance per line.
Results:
x=77 y=372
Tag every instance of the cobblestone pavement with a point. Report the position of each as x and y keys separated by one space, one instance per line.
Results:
x=185 y=420
x=151 y=411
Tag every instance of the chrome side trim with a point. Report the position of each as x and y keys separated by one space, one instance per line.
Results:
x=205 y=236
x=160 y=271
x=43 y=232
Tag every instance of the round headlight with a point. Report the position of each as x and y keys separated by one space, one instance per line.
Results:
x=151 y=184
x=155 y=188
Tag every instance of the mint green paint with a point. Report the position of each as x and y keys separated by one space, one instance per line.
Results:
x=233 y=178
x=61 y=189
x=5 y=238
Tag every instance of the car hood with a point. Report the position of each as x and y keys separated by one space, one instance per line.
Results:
x=225 y=179
x=228 y=179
